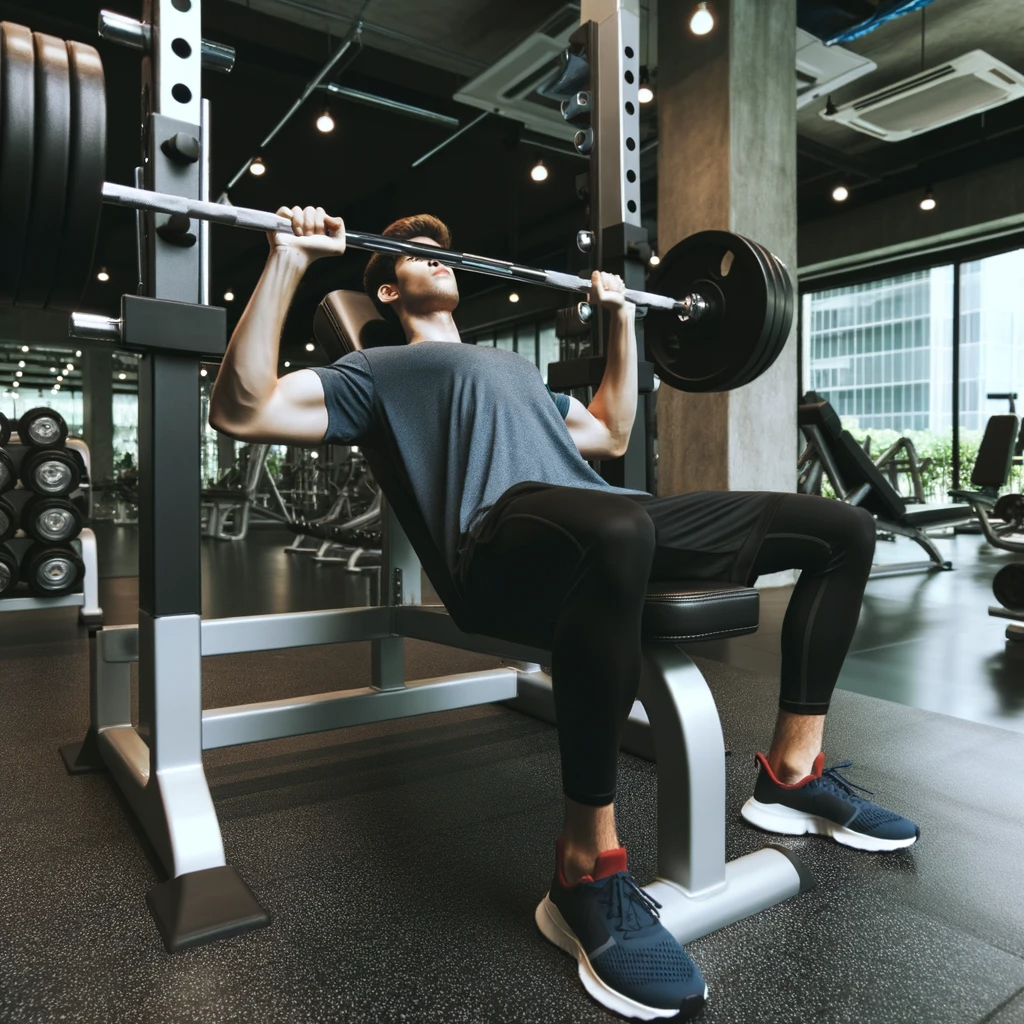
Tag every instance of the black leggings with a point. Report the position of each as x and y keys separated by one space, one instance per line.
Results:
x=566 y=569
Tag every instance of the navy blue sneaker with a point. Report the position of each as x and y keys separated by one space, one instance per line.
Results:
x=628 y=961
x=824 y=804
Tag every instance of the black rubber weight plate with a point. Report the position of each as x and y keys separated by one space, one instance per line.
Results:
x=50 y=180
x=86 y=170
x=775 y=307
x=779 y=330
x=790 y=309
x=718 y=349
x=17 y=151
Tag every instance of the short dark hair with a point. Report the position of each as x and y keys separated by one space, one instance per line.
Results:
x=381 y=268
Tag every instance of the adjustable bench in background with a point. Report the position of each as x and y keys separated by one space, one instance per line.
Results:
x=857 y=481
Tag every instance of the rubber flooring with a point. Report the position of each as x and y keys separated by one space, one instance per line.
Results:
x=401 y=862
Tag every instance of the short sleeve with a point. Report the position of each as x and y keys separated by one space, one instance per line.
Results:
x=561 y=402
x=348 y=395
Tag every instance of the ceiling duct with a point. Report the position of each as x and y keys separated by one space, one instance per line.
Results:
x=968 y=85
x=822 y=69
x=509 y=87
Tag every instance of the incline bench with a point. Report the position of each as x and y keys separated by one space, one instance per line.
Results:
x=857 y=481
x=165 y=784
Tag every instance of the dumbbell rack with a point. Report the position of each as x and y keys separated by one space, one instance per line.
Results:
x=88 y=599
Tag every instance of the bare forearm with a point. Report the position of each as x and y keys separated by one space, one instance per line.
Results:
x=248 y=374
x=615 y=401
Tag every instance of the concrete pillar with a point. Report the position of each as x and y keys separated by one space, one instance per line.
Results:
x=98 y=411
x=727 y=161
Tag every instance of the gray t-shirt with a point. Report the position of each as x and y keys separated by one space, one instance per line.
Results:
x=470 y=422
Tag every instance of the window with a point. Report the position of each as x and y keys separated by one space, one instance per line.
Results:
x=879 y=374
x=897 y=379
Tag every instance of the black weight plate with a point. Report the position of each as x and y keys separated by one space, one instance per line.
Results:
x=1008 y=586
x=708 y=354
x=17 y=151
x=8 y=520
x=51 y=520
x=8 y=570
x=775 y=303
x=50 y=471
x=1010 y=509
x=42 y=427
x=791 y=306
x=50 y=184
x=86 y=171
x=51 y=583
x=783 y=321
x=5 y=430
x=8 y=474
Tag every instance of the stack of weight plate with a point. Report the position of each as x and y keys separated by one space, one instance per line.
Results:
x=40 y=508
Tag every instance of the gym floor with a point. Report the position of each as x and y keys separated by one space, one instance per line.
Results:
x=401 y=862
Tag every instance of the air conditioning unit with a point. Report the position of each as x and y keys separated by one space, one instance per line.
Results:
x=509 y=87
x=822 y=69
x=967 y=85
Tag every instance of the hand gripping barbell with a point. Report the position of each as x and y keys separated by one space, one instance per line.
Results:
x=720 y=317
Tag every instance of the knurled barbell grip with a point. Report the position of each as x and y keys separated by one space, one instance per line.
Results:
x=260 y=220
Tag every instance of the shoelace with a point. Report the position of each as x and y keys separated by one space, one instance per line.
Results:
x=625 y=900
x=833 y=775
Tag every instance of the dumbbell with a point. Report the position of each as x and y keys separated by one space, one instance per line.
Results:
x=9 y=574
x=50 y=471
x=51 y=571
x=1008 y=586
x=5 y=430
x=8 y=474
x=43 y=428
x=8 y=520
x=51 y=520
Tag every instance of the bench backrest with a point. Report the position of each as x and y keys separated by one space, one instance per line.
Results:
x=347 y=321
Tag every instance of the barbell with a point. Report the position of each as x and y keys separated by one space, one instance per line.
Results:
x=720 y=317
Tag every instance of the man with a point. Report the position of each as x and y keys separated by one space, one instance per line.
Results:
x=550 y=555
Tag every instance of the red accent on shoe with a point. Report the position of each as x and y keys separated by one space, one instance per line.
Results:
x=816 y=768
x=608 y=863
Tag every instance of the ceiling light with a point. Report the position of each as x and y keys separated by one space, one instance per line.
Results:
x=21 y=364
x=287 y=364
x=24 y=348
x=202 y=372
x=53 y=369
x=840 y=193
x=314 y=455
x=103 y=275
x=646 y=93
x=53 y=391
x=122 y=376
x=928 y=203
x=229 y=296
x=59 y=377
x=654 y=260
x=539 y=172
x=56 y=387
x=18 y=373
x=513 y=296
x=78 y=354
x=703 y=21
x=16 y=385
x=71 y=366
x=325 y=123
x=258 y=167
x=310 y=346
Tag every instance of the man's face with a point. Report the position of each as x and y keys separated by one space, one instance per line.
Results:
x=424 y=286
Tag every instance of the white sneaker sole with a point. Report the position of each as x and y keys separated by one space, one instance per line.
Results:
x=790 y=822
x=553 y=927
